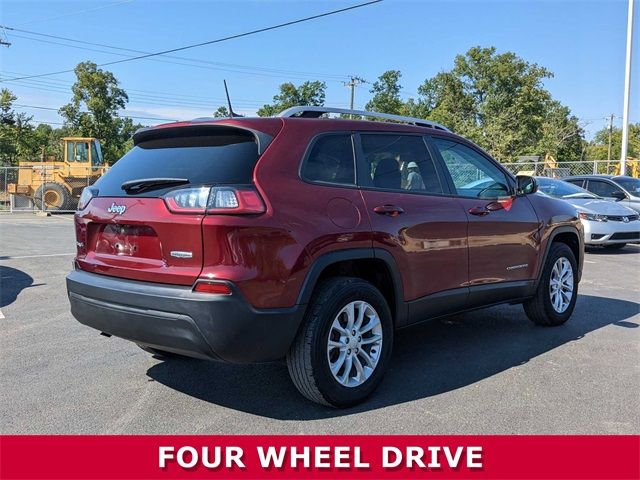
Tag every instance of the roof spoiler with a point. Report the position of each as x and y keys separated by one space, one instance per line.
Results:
x=203 y=129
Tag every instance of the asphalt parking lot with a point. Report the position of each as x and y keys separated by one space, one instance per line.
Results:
x=490 y=371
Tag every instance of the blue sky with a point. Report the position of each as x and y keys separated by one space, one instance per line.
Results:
x=582 y=42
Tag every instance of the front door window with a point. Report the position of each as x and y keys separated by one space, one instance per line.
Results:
x=473 y=175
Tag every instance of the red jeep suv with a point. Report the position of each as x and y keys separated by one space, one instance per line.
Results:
x=314 y=239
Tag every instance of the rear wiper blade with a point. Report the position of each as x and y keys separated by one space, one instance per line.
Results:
x=141 y=184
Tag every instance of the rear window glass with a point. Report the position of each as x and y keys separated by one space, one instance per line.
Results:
x=399 y=162
x=203 y=160
x=330 y=160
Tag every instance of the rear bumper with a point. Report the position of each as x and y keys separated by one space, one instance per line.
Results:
x=175 y=319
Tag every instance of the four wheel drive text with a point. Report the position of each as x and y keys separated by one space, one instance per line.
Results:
x=428 y=457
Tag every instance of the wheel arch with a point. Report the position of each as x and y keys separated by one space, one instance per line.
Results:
x=571 y=237
x=374 y=265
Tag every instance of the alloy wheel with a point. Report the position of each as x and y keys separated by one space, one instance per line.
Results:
x=354 y=344
x=561 y=285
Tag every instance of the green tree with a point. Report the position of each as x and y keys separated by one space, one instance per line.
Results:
x=598 y=148
x=499 y=101
x=16 y=131
x=93 y=110
x=443 y=99
x=386 y=94
x=561 y=134
x=308 y=93
x=221 y=112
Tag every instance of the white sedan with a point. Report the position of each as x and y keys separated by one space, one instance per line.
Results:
x=606 y=223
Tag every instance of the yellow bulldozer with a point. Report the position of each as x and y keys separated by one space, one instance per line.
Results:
x=54 y=184
x=633 y=167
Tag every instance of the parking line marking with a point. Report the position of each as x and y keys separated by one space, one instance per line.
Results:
x=1 y=315
x=9 y=257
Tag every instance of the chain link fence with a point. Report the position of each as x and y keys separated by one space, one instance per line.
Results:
x=44 y=187
x=564 y=169
x=53 y=188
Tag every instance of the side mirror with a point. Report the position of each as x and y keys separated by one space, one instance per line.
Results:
x=526 y=185
x=619 y=195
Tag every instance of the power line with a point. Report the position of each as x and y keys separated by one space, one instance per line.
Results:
x=120 y=115
x=218 y=40
x=161 y=60
x=76 y=12
x=52 y=82
x=165 y=99
x=48 y=123
x=198 y=100
x=151 y=99
x=220 y=66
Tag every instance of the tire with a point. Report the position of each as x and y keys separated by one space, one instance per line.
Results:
x=540 y=309
x=615 y=246
x=309 y=359
x=56 y=197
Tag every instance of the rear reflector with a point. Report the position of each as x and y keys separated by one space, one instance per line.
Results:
x=216 y=288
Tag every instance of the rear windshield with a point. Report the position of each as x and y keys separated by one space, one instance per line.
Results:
x=202 y=159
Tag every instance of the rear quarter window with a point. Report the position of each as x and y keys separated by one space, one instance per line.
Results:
x=202 y=159
x=330 y=160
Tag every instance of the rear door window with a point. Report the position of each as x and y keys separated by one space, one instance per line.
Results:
x=225 y=158
x=330 y=160
x=398 y=162
x=601 y=188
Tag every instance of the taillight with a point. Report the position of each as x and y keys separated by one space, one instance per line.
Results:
x=188 y=200
x=216 y=288
x=217 y=200
x=235 y=200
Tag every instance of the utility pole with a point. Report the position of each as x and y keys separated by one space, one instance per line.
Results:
x=627 y=88
x=610 y=135
x=353 y=81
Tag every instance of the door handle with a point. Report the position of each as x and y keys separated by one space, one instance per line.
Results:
x=391 y=210
x=479 y=211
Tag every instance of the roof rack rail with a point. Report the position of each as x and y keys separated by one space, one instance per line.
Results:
x=316 y=112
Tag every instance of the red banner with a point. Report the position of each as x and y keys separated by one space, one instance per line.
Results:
x=360 y=456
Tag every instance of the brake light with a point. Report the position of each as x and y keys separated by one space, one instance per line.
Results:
x=216 y=288
x=216 y=200
x=235 y=200
x=188 y=200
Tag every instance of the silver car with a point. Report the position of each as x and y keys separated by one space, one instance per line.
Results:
x=618 y=188
x=606 y=223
